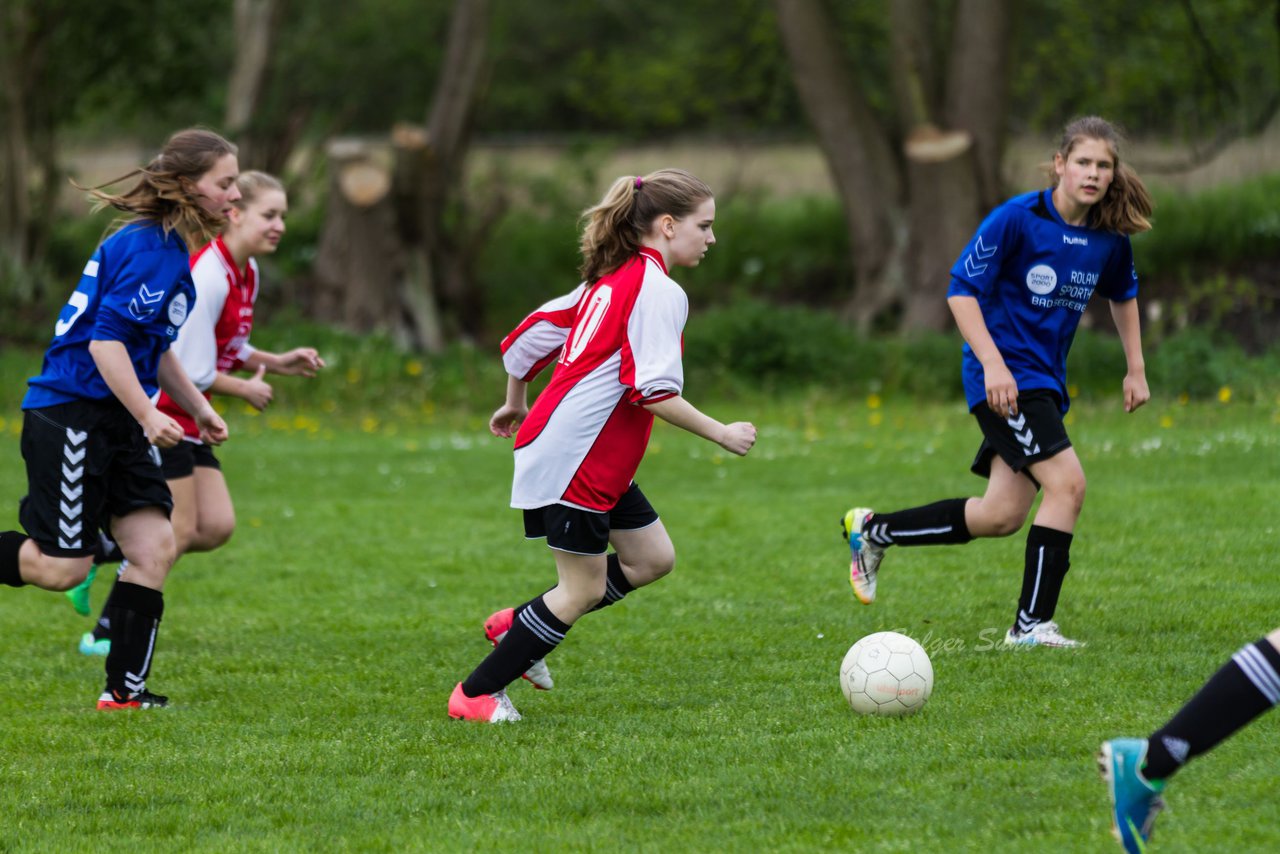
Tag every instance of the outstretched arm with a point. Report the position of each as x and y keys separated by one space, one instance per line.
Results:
x=1129 y=326
x=300 y=361
x=736 y=438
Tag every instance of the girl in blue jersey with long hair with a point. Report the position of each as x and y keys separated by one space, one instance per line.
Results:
x=91 y=429
x=1017 y=292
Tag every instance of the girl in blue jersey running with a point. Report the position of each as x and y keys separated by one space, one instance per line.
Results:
x=1017 y=292
x=92 y=430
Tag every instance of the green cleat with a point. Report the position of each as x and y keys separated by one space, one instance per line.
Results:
x=78 y=596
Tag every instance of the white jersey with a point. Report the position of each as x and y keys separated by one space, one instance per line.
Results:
x=617 y=346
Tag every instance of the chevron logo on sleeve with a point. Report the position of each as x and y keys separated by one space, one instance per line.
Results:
x=145 y=302
x=981 y=252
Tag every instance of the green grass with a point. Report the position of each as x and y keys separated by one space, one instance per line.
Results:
x=310 y=659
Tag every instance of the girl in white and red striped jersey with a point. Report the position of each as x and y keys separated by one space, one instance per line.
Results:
x=616 y=341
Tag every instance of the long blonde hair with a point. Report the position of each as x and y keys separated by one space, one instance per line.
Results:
x=163 y=193
x=1127 y=206
x=615 y=228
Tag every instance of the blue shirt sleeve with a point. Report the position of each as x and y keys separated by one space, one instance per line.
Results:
x=977 y=269
x=135 y=294
x=1120 y=278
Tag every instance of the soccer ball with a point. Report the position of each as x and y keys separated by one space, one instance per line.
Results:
x=886 y=674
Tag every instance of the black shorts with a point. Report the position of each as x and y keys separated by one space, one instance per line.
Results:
x=87 y=461
x=586 y=532
x=184 y=458
x=1036 y=433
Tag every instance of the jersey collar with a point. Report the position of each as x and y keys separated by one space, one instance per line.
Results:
x=650 y=252
x=241 y=276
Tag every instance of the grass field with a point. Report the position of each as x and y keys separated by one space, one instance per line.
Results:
x=309 y=660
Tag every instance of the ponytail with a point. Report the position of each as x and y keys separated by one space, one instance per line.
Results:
x=615 y=228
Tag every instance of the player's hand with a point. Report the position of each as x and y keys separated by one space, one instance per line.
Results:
x=738 y=438
x=213 y=430
x=506 y=420
x=1002 y=391
x=161 y=430
x=258 y=392
x=300 y=361
x=1136 y=391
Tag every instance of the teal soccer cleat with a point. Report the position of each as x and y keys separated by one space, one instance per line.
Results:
x=1135 y=800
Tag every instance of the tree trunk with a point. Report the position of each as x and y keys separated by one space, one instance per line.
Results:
x=437 y=173
x=977 y=92
x=951 y=131
x=857 y=152
x=254 y=24
x=15 y=202
x=359 y=257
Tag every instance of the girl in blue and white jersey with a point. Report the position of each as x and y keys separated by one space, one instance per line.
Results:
x=92 y=429
x=1018 y=291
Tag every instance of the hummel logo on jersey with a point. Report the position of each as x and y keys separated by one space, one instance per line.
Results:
x=981 y=252
x=145 y=303
x=1075 y=241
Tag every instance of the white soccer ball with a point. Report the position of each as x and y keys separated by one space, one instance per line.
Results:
x=886 y=673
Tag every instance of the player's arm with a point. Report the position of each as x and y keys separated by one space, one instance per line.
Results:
x=1128 y=324
x=175 y=382
x=737 y=438
x=513 y=410
x=254 y=390
x=115 y=366
x=300 y=361
x=1002 y=390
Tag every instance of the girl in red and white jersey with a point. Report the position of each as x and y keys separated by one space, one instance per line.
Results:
x=211 y=344
x=616 y=342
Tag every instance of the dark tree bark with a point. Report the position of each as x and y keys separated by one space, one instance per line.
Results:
x=397 y=223
x=255 y=24
x=914 y=194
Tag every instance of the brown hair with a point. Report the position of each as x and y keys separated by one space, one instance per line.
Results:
x=617 y=225
x=163 y=192
x=1127 y=206
x=253 y=182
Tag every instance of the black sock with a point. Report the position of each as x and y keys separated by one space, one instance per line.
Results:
x=102 y=628
x=107 y=551
x=1245 y=687
x=1047 y=561
x=10 y=567
x=134 y=613
x=534 y=632
x=939 y=523
x=616 y=584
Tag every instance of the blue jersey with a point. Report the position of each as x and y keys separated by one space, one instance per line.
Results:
x=1033 y=275
x=136 y=289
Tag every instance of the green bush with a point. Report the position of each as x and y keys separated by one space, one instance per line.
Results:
x=1221 y=227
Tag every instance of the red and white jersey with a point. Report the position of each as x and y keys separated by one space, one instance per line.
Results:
x=215 y=338
x=617 y=346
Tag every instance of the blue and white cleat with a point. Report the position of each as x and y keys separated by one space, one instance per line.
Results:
x=1043 y=634
x=89 y=645
x=1135 y=800
x=864 y=555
